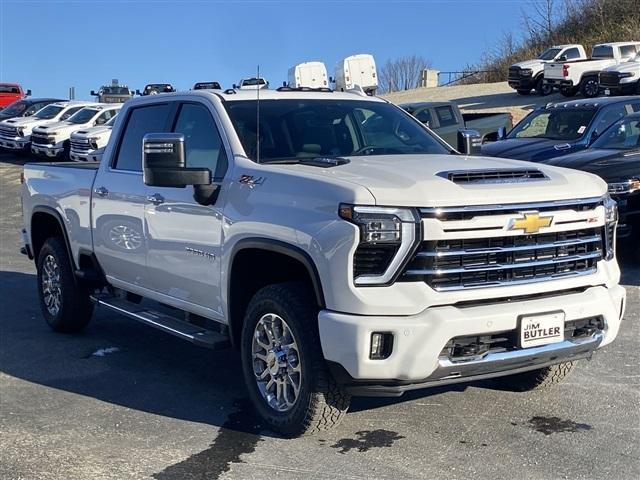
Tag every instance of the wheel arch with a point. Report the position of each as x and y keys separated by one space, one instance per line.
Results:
x=293 y=264
x=47 y=222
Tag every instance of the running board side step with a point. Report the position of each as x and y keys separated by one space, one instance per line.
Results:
x=179 y=328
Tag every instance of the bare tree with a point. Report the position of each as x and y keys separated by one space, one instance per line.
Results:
x=402 y=73
x=540 y=21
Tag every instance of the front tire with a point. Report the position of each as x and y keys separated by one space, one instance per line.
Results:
x=543 y=89
x=589 y=87
x=284 y=370
x=535 y=379
x=65 y=304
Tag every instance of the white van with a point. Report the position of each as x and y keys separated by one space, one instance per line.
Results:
x=357 y=70
x=308 y=74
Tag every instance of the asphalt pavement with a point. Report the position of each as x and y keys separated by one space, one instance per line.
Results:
x=123 y=401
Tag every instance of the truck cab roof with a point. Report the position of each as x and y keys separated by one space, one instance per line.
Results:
x=590 y=102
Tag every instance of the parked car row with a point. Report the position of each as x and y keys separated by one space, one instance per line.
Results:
x=612 y=68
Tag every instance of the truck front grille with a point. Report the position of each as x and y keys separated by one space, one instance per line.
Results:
x=514 y=73
x=609 y=79
x=486 y=262
x=8 y=132
x=80 y=146
x=38 y=138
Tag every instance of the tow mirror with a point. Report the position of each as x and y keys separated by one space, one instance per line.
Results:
x=28 y=94
x=164 y=165
x=502 y=133
x=469 y=142
x=93 y=93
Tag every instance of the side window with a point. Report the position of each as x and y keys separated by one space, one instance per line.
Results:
x=104 y=117
x=446 y=117
x=141 y=120
x=203 y=146
x=572 y=54
x=424 y=116
x=608 y=116
x=33 y=109
x=628 y=51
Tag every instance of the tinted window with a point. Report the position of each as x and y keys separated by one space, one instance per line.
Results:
x=610 y=115
x=555 y=124
x=624 y=135
x=572 y=54
x=628 y=51
x=298 y=128
x=142 y=120
x=202 y=143
x=424 y=116
x=602 y=52
x=106 y=116
x=49 y=112
x=549 y=54
x=446 y=116
x=34 y=108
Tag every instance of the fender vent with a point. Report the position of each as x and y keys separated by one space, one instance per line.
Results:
x=496 y=176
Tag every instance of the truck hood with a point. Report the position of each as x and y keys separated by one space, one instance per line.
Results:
x=530 y=149
x=93 y=132
x=633 y=67
x=609 y=164
x=530 y=63
x=27 y=122
x=421 y=180
x=59 y=127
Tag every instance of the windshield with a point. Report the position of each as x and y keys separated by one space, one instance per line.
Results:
x=115 y=91
x=549 y=54
x=83 y=116
x=554 y=124
x=9 y=89
x=49 y=112
x=296 y=129
x=16 y=108
x=251 y=82
x=622 y=135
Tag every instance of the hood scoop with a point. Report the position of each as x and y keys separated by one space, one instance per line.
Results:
x=494 y=176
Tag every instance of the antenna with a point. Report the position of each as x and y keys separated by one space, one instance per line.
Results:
x=258 y=116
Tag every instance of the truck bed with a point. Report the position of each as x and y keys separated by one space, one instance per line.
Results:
x=63 y=187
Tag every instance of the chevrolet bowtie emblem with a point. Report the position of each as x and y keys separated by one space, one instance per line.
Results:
x=531 y=223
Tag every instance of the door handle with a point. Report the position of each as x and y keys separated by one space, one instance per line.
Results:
x=156 y=199
x=101 y=191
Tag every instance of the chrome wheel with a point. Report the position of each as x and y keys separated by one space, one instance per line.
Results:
x=51 y=289
x=125 y=237
x=276 y=362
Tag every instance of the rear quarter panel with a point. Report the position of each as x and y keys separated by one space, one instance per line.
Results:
x=66 y=190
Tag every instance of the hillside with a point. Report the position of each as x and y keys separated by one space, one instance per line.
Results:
x=556 y=22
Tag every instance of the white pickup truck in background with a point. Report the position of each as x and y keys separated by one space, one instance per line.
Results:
x=15 y=133
x=581 y=76
x=88 y=144
x=52 y=140
x=529 y=75
x=622 y=79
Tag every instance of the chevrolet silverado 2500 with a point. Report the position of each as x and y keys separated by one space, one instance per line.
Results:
x=88 y=144
x=337 y=243
x=621 y=79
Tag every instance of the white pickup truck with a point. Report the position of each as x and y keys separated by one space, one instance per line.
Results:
x=342 y=247
x=529 y=74
x=621 y=79
x=88 y=144
x=53 y=139
x=582 y=75
x=15 y=133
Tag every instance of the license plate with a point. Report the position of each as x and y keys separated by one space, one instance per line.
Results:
x=536 y=330
x=607 y=91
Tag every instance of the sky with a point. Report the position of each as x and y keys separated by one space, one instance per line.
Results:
x=51 y=45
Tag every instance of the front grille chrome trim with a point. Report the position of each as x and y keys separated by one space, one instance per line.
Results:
x=513 y=206
x=508 y=266
x=481 y=251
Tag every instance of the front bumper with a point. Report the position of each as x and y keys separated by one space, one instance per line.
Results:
x=522 y=83
x=16 y=143
x=47 y=151
x=418 y=340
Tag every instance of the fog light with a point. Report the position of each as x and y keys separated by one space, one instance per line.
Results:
x=381 y=345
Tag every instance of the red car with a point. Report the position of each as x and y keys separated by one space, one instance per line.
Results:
x=11 y=92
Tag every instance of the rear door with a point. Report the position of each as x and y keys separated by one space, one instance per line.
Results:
x=119 y=198
x=185 y=237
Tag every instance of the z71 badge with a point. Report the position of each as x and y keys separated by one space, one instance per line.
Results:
x=251 y=180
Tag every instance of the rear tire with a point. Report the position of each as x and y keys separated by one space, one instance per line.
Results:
x=542 y=89
x=589 y=87
x=290 y=354
x=65 y=304
x=524 y=92
x=535 y=379
x=568 y=91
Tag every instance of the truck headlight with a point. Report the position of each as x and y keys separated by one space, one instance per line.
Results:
x=526 y=72
x=626 y=74
x=629 y=186
x=93 y=143
x=387 y=236
x=611 y=223
x=20 y=131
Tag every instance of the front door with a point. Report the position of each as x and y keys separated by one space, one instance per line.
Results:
x=184 y=236
x=119 y=199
